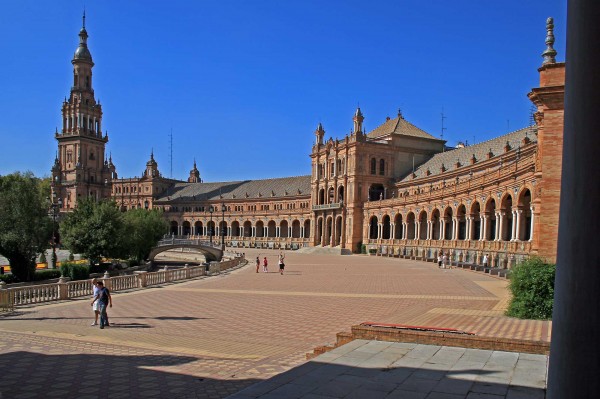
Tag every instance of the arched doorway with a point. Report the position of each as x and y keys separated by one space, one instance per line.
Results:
x=186 y=228
x=321 y=199
x=373 y=228
x=490 y=213
x=475 y=221
x=423 y=225
x=448 y=234
x=341 y=194
x=320 y=231
x=328 y=231
x=260 y=229
x=524 y=206
x=247 y=229
x=506 y=214
x=435 y=224
x=235 y=229
x=174 y=228
x=386 y=226
x=338 y=231
x=198 y=228
x=283 y=229
x=398 y=226
x=376 y=192
x=461 y=216
x=410 y=226
x=271 y=229
x=307 y=229
x=296 y=229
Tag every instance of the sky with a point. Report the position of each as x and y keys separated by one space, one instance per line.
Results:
x=242 y=85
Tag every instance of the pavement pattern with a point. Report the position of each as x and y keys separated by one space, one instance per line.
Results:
x=212 y=337
x=393 y=370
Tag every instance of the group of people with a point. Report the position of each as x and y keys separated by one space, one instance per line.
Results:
x=265 y=263
x=100 y=300
x=443 y=260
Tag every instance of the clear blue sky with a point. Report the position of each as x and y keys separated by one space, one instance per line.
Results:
x=243 y=84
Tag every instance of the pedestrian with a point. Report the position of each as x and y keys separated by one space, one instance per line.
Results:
x=104 y=300
x=281 y=264
x=444 y=261
x=485 y=260
x=257 y=263
x=265 y=265
x=95 y=291
x=440 y=259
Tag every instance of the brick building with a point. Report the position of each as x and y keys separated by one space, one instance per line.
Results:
x=396 y=190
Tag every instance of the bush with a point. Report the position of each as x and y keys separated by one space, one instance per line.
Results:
x=372 y=250
x=363 y=249
x=532 y=288
x=43 y=258
x=71 y=257
x=46 y=274
x=75 y=271
x=100 y=268
x=8 y=278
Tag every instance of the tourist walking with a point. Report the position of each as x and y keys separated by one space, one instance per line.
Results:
x=265 y=265
x=257 y=263
x=95 y=291
x=104 y=299
x=281 y=264
x=485 y=260
x=444 y=261
x=440 y=259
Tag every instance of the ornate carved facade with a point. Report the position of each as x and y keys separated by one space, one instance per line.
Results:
x=396 y=190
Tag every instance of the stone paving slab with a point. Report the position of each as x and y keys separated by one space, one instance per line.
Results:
x=368 y=380
x=214 y=336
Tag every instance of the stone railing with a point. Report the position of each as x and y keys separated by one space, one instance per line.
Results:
x=10 y=297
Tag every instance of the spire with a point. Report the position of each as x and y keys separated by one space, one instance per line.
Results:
x=358 y=120
x=319 y=133
x=152 y=154
x=550 y=54
x=82 y=52
x=400 y=114
x=83 y=18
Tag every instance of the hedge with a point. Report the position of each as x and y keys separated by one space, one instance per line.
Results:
x=532 y=288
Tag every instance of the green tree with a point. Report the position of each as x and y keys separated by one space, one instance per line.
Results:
x=25 y=228
x=532 y=288
x=142 y=230
x=93 y=229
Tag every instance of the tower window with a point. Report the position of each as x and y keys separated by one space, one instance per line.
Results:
x=87 y=82
x=75 y=80
x=373 y=166
x=382 y=167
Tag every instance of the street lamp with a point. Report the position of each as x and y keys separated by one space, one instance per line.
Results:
x=223 y=226
x=210 y=228
x=54 y=210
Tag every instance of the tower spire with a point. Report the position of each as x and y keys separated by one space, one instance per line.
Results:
x=549 y=54
x=84 y=17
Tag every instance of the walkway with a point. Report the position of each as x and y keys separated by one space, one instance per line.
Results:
x=212 y=337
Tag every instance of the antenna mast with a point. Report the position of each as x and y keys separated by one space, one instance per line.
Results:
x=443 y=128
x=171 y=152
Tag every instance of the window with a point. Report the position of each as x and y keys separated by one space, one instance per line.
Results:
x=331 y=169
x=87 y=82
x=373 y=166
x=382 y=167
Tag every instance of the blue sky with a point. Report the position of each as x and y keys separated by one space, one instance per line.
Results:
x=243 y=84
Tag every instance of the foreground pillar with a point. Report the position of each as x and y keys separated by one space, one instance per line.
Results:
x=575 y=349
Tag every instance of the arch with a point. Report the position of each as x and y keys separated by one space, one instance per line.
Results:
x=222 y=228
x=373 y=166
x=283 y=229
x=435 y=224
x=328 y=231
x=331 y=195
x=490 y=213
x=423 y=225
x=373 y=228
x=307 y=228
x=448 y=223
x=260 y=228
x=506 y=216
x=410 y=226
x=197 y=228
x=475 y=221
x=386 y=227
x=398 y=226
x=524 y=207
x=320 y=230
x=235 y=229
x=321 y=199
x=461 y=217
x=341 y=194
x=376 y=192
x=271 y=229
x=338 y=231
x=186 y=228
x=247 y=229
x=174 y=228
x=296 y=228
x=210 y=253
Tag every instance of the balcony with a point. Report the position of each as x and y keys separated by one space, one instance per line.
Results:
x=334 y=205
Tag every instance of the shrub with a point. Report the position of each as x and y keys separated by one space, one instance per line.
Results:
x=75 y=271
x=372 y=250
x=71 y=257
x=100 y=268
x=8 y=278
x=43 y=258
x=363 y=249
x=46 y=274
x=532 y=288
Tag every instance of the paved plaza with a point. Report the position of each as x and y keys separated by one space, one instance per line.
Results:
x=212 y=337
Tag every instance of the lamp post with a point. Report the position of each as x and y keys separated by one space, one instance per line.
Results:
x=223 y=226
x=54 y=210
x=210 y=228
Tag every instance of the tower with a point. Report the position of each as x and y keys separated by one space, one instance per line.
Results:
x=80 y=168
x=194 y=175
x=319 y=133
x=151 y=171
x=358 y=121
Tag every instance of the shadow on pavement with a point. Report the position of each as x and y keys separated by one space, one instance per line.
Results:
x=33 y=375
x=326 y=380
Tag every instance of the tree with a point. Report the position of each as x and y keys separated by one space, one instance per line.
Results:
x=25 y=228
x=142 y=231
x=93 y=229
x=532 y=288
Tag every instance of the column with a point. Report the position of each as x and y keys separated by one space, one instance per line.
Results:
x=379 y=231
x=265 y=231
x=443 y=229
x=501 y=215
x=302 y=231
x=468 y=228
x=392 y=230
x=277 y=231
x=483 y=227
x=416 y=237
x=404 y=230
x=513 y=232
x=531 y=227
x=252 y=231
x=429 y=229
x=518 y=212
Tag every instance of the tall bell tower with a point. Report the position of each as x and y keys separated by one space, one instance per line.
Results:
x=81 y=169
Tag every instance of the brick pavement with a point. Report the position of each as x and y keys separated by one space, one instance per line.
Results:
x=234 y=329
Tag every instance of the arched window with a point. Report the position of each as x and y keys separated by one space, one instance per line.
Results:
x=373 y=166
x=382 y=167
x=87 y=82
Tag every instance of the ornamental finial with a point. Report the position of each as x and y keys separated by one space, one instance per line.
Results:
x=550 y=54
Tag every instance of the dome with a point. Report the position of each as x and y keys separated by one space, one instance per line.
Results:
x=82 y=53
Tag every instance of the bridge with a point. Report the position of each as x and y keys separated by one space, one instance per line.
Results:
x=211 y=251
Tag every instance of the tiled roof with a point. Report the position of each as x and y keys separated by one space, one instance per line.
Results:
x=247 y=189
x=464 y=155
x=398 y=126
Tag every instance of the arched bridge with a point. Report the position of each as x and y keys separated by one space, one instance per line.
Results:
x=212 y=251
